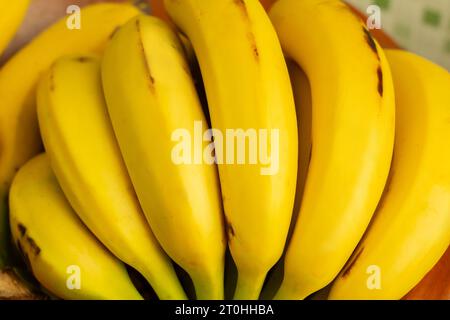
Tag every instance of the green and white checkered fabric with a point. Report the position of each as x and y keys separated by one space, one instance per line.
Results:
x=421 y=26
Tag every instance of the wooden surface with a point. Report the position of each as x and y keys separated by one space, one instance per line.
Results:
x=436 y=285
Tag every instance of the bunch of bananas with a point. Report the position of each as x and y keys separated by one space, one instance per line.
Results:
x=357 y=196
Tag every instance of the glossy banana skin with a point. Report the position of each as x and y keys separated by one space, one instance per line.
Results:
x=53 y=240
x=86 y=159
x=411 y=227
x=247 y=86
x=19 y=133
x=303 y=106
x=11 y=16
x=150 y=94
x=353 y=121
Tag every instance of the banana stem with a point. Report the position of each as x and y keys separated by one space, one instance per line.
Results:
x=209 y=287
x=249 y=286
x=167 y=286
x=287 y=292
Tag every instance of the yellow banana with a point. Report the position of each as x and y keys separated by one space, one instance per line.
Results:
x=11 y=16
x=63 y=255
x=150 y=95
x=86 y=159
x=19 y=134
x=411 y=228
x=302 y=96
x=353 y=124
x=248 y=88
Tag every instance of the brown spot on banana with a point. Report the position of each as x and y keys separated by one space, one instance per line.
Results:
x=349 y=266
x=30 y=241
x=33 y=246
x=114 y=32
x=242 y=6
x=22 y=229
x=52 y=80
x=373 y=46
x=83 y=59
x=380 y=81
x=150 y=78
x=251 y=37
x=310 y=154
x=371 y=42
x=230 y=229
x=255 y=50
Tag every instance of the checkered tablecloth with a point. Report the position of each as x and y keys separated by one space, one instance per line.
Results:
x=422 y=26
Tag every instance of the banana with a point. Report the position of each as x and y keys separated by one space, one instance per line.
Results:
x=86 y=159
x=411 y=228
x=151 y=98
x=302 y=97
x=248 y=89
x=353 y=124
x=19 y=133
x=11 y=16
x=56 y=245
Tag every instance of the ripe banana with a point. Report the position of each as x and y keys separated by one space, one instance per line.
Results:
x=302 y=97
x=150 y=96
x=19 y=134
x=411 y=228
x=56 y=245
x=353 y=120
x=86 y=159
x=248 y=88
x=11 y=16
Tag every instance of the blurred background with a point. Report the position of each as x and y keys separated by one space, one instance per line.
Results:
x=421 y=26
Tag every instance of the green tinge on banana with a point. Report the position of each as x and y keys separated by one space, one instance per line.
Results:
x=62 y=253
